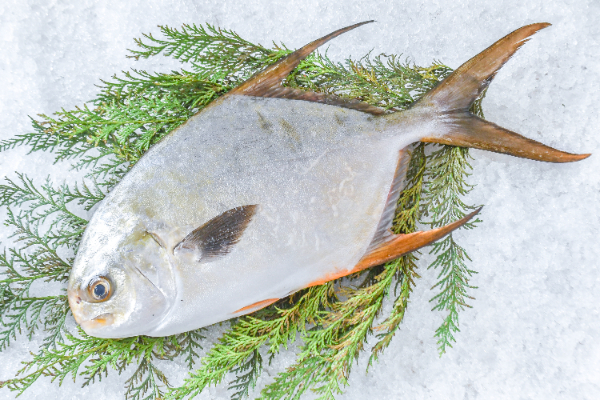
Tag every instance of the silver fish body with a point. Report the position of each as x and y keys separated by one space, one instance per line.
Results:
x=268 y=191
x=319 y=174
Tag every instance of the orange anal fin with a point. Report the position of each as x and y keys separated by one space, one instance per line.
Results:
x=402 y=244
x=329 y=277
x=255 y=306
x=395 y=247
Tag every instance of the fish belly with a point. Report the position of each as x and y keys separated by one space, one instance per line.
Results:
x=319 y=174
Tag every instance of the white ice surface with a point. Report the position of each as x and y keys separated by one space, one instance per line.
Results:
x=534 y=330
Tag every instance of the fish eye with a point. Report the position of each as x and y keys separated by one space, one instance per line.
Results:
x=99 y=289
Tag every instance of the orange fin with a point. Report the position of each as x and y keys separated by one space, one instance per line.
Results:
x=453 y=98
x=465 y=84
x=468 y=130
x=255 y=306
x=396 y=246
x=383 y=232
x=329 y=277
x=402 y=244
x=267 y=83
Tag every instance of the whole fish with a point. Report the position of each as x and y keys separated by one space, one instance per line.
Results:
x=267 y=191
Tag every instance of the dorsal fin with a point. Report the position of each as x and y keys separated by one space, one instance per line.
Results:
x=331 y=99
x=267 y=83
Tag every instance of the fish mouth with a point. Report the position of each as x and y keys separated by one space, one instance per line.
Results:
x=103 y=319
x=91 y=326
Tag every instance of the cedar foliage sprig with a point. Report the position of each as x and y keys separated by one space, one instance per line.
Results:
x=443 y=205
x=110 y=133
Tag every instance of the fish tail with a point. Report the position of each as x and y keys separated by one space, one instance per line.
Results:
x=453 y=97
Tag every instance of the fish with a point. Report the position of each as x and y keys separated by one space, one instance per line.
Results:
x=269 y=190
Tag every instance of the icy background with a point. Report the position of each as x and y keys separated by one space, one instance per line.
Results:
x=534 y=331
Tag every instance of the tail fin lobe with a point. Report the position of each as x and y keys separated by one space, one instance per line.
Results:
x=454 y=96
x=463 y=86
x=468 y=130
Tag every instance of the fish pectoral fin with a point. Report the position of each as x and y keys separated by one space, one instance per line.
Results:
x=217 y=237
x=267 y=83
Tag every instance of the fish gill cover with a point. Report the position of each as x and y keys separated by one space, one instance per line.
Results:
x=331 y=322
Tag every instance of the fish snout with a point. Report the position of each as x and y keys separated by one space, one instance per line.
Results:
x=74 y=298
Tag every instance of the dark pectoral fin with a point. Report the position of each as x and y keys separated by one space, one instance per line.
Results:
x=217 y=237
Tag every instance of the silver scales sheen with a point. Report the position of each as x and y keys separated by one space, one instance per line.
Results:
x=267 y=191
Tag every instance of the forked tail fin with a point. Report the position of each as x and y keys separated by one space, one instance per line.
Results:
x=454 y=96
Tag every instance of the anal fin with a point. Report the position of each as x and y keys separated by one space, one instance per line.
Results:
x=383 y=232
x=255 y=306
x=396 y=246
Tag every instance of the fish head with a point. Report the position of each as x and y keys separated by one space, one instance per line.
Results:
x=121 y=284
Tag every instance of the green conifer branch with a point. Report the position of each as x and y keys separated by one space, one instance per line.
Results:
x=188 y=343
x=247 y=374
x=95 y=356
x=149 y=380
x=331 y=347
x=128 y=116
x=446 y=188
x=212 y=51
x=250 y=333
x=384 y=81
